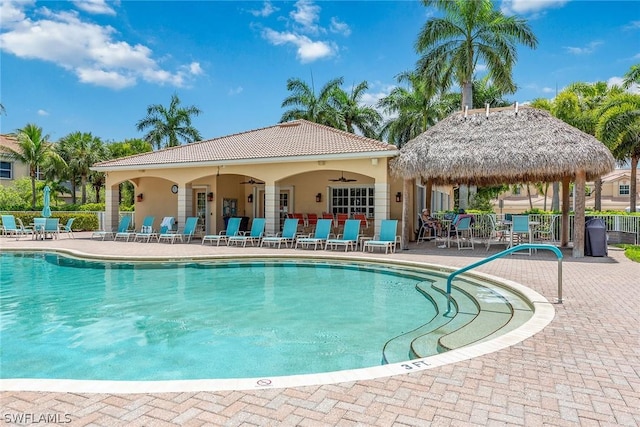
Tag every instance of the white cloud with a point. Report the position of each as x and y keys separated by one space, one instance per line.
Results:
x=89 y=50
x=235 y=91
x=43 y=112
x=308 y=50
x=585 y=50
x=618 y=81
x=633 y=25
x=523 y=7
x=267 y=10
x=13 y=11
x=97 y=7
x=339 y=27
x=306 y=14
x=548 y=90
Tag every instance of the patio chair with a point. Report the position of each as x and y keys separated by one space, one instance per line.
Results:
x=233 y=228
x=24 y=230
x=51 y=228
x=254 y=236
x=38 y=227
x=387 y=238
x=9 y=226
x=186 y=234
x=319 y=237
x=520 y=230
x=288 y=235
x=498 y=233
x=363 y=219
x=349 y=237
x=463 y=232
x=67 y=228
x=123 y=226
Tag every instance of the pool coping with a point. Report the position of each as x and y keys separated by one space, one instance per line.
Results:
x=543 y=314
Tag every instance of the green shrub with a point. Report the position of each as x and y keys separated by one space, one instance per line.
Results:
x=82 y=222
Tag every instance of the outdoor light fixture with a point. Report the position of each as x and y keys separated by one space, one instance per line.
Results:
x=140 y=197
x=209 y=197
x=250 y=198
x=318 y=197
x=398 y=197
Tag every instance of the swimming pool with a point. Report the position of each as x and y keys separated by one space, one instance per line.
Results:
x=65 y=318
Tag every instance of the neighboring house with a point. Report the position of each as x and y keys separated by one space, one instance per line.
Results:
x=615 y=194
x=10 y=170
x=298 y=166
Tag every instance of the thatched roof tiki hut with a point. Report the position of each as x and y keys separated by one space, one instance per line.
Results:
x=508 y=146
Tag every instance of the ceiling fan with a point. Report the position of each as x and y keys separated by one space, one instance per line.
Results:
x=252 y=182
x=343 y=179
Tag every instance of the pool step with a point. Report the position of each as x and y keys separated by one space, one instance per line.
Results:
x=467 y=310
x=398 y=349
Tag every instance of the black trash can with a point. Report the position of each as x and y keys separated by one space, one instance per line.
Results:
x=595 y=237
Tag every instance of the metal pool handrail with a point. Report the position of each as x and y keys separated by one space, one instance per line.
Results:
x=500 y=255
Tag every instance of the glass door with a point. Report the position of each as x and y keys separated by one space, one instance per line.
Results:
x=201 y=211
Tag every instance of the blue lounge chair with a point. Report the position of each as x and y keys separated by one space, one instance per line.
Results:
x=233 y=228
x=9 y=226
x=122 y=228
x=287 y=236
x=349 y=237
x=51 y=228
x=146 y=230
x=462 y=232
x=320 y=236
x=128 y=234
x=186 y=234
x=254 y=236
x=387 y=238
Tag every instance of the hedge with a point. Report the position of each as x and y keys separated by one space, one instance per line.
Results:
x=83 y=221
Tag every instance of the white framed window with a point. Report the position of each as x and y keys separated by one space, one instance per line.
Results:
x=623 y=189
x=6 y=170
x=39 y=174
x=352 y=200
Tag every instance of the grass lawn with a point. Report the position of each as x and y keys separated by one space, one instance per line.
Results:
x=632 y=252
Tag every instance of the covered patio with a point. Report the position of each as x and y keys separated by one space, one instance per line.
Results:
x=506 y=146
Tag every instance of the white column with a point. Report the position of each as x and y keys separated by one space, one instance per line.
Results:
x=111 y=207
x=185 y=203
x=271 y=207
x=382 y=209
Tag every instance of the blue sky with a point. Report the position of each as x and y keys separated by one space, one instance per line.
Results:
x=95 y=66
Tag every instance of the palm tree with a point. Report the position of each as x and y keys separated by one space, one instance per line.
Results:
x=471 y=31
x=34 y=150
x=306 y=105
x=415 y=108
x=83 y=150
x=619 y=129
x=632 y=76
x=352 y=114
x=171 y=126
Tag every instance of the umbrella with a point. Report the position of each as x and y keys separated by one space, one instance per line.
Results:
x=46 y=211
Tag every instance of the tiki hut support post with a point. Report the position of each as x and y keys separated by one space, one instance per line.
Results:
x=564 y=239
x=406 y=208
x=578 y=220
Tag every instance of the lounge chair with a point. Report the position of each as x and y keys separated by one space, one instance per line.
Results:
x=463 y=232
x=233 y=228
x=67 y=228
x=9 y=226
x=146 y=230
x=287 y=236
x=254 y=236
x=349 y=237
x=320 y=236
x=186 y=234
x=387 y=238
x=122 y=228
x=147 y=224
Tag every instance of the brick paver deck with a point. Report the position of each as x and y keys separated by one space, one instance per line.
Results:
x=582 y=369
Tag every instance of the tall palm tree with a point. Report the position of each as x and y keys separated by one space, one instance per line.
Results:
x=34 y=150
x=352 y=114
x=414 y=107
x=471 y=31
x=171 y=126
x=83 y=150
x=305 y=104
x=619 y=129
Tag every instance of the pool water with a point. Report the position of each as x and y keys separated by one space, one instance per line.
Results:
x=67 y=318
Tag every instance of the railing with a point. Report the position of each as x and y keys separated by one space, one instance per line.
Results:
x=551 y=248
x=615 y=224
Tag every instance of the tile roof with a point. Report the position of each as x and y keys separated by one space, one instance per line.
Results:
x=8 y=141
x=299 y=138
